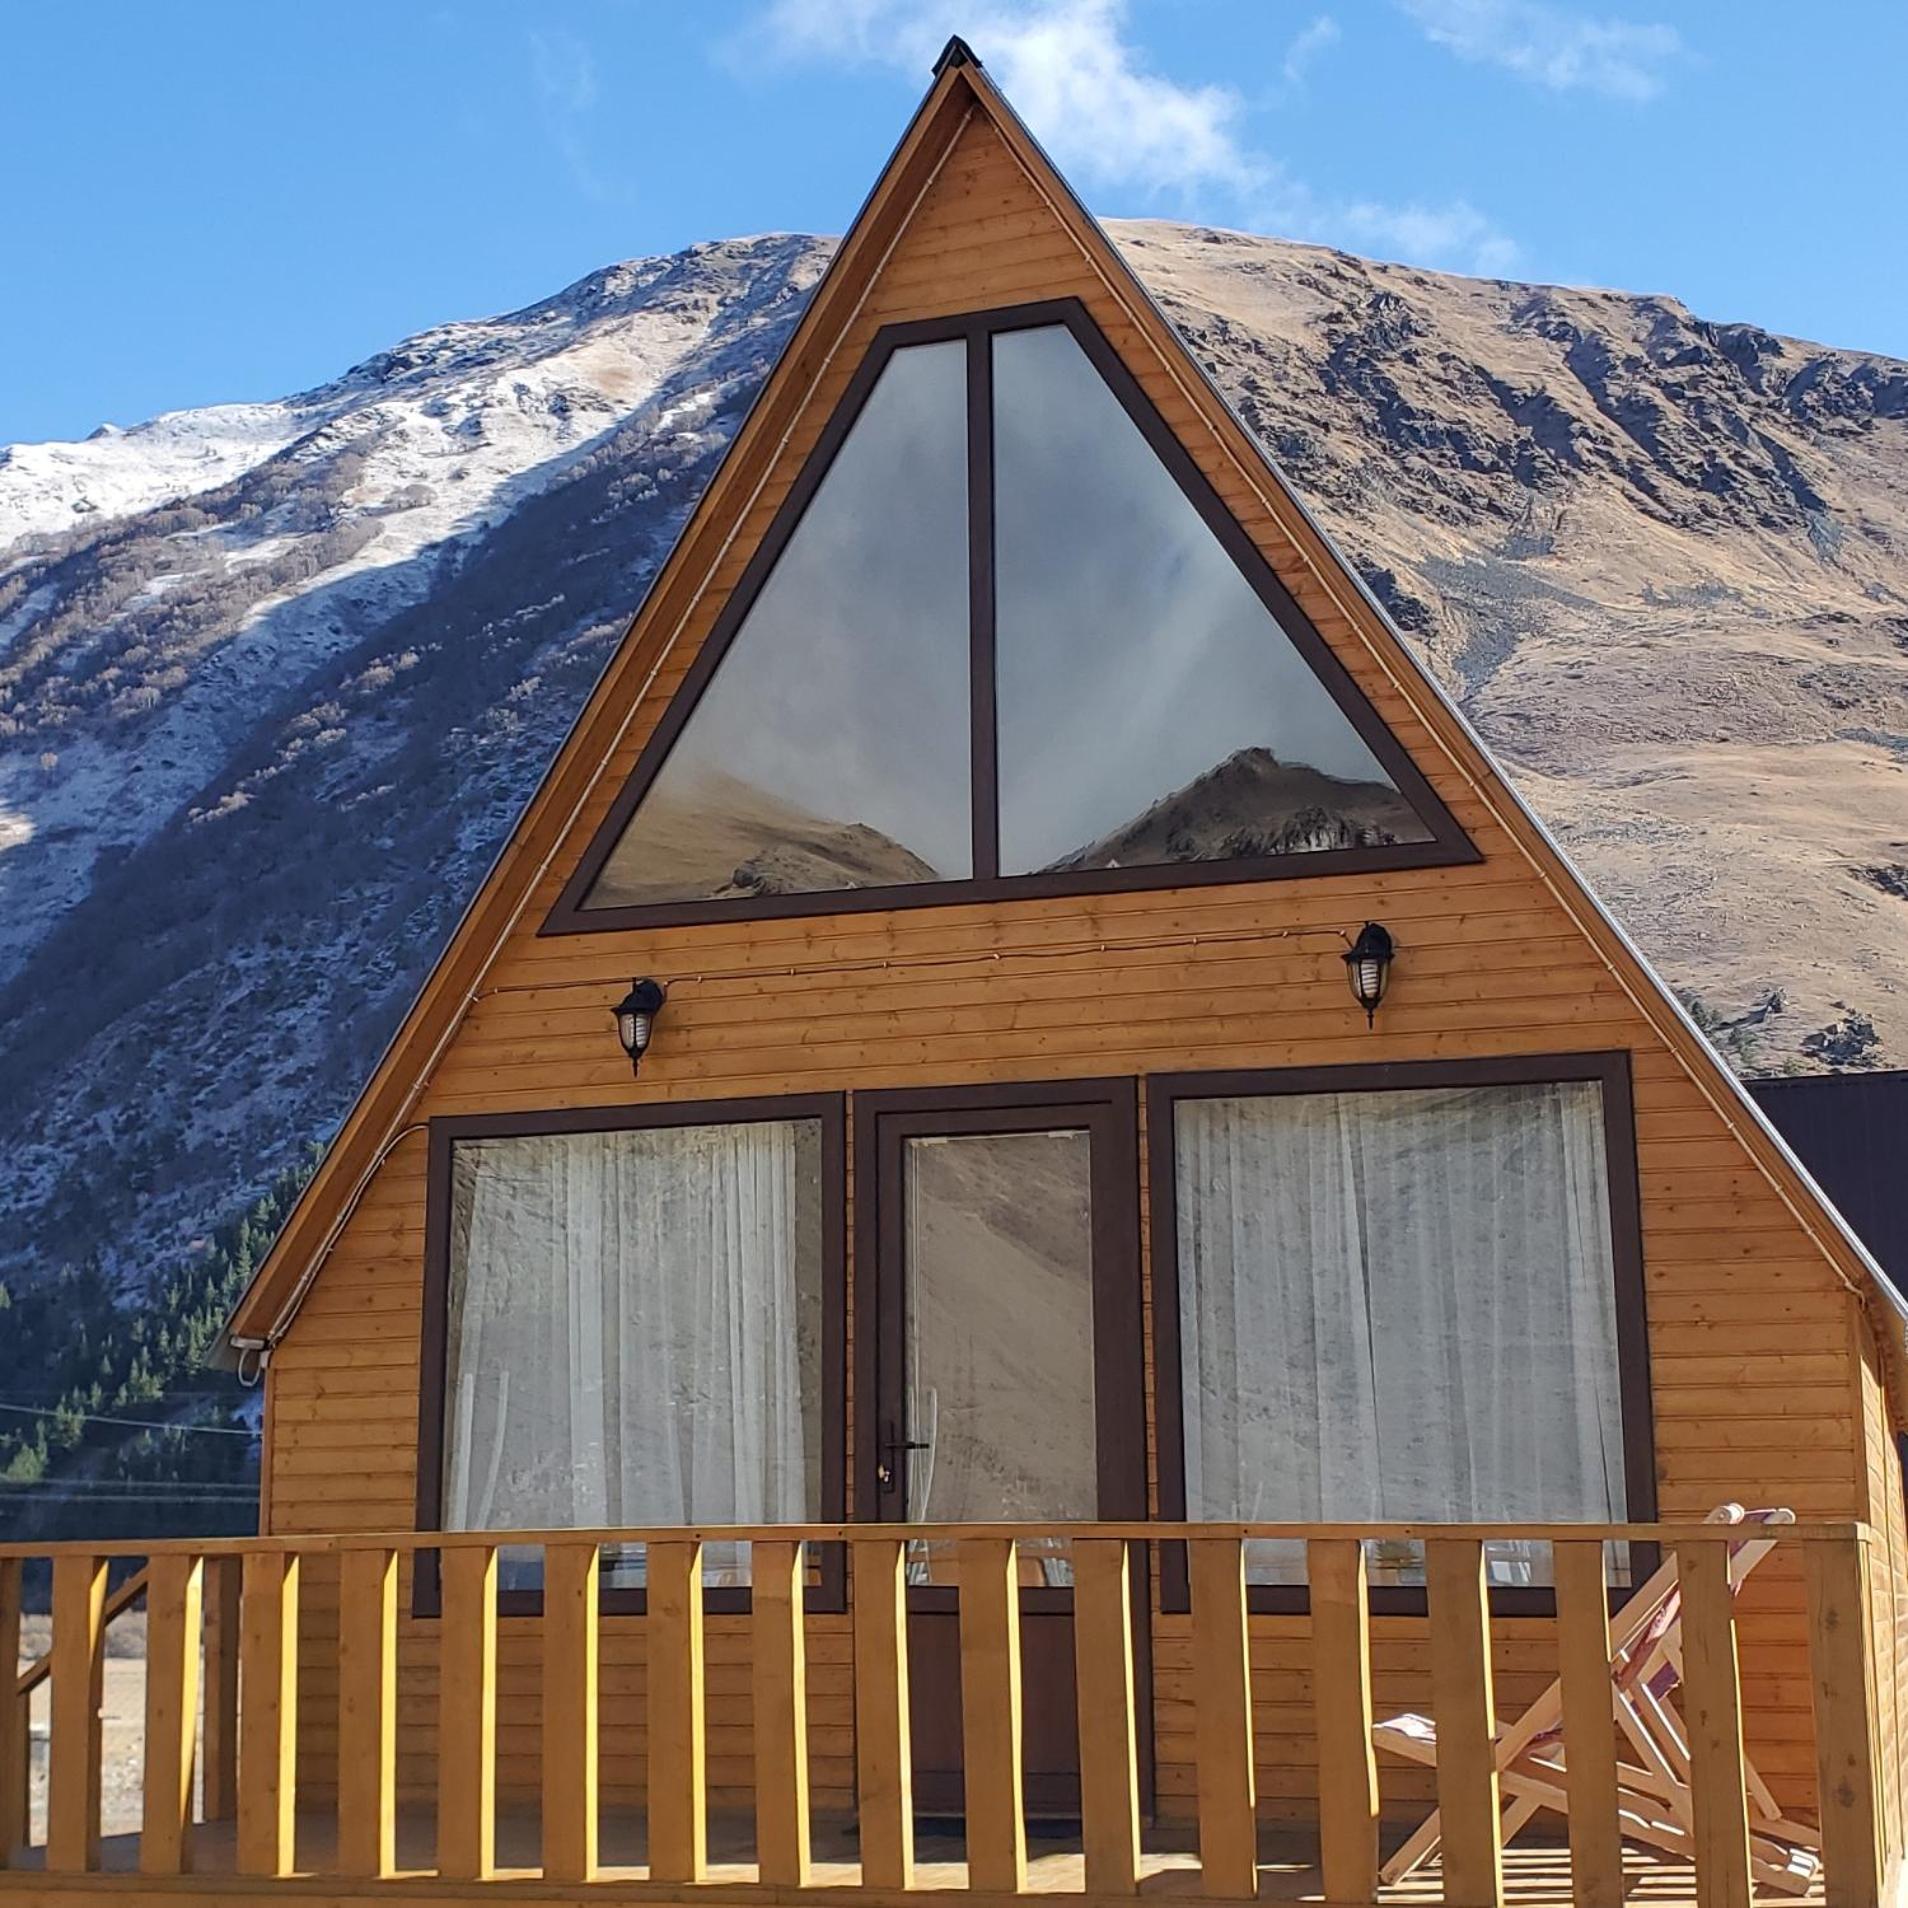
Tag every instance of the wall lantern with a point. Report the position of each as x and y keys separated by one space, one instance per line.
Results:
x=636 y=1018
x=1368 y=968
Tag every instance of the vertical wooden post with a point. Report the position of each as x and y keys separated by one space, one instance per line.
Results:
x=779 y=1576
x=570 y=1573
x=1222 y=1719
x=1341 y=1703
x=14 y=1741
x=467 y=1715
x=1712 y=1713
x=1842 y=1674
x=678 y=1763
x=1103 y=1680
x=1590 y=1755
x=990 y=1716
x=268 y=1720
x=1464 y=1709
x=72 y=1810
x=884 y=1775
x=173 y=1607
x=219 y=1782
x=367 y=1713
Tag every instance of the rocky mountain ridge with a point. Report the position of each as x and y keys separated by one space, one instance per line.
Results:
x=274 y=679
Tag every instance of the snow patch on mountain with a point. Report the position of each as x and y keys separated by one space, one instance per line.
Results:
x=50 y=488
x=256 y=543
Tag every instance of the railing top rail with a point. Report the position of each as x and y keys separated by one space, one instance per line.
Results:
x=320 y=1543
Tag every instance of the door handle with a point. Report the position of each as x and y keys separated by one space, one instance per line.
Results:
x=888 y=1471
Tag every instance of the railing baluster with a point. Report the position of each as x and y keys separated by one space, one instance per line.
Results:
x=1589 y=1729
x=1341 y=1703
x=1842 y=1672
x=1463 y=1705
x=1222 y=1719
x=367 y=1713
x=467 y=1715
x=990 y=1716
x=1712 y=1713
x=570 y=1574
x=1103 y=1680
x=72 y=1816
x=220 y=1751
x=268 y=1717
x=884 y=1776
x=173 y=1603
x=14 y=1740
x=779 y=1575
x=678 y=1816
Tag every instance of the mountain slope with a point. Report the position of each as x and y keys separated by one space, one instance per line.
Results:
x=275 y=679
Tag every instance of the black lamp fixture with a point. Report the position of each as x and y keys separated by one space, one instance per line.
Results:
x=636 y=1018
x=1368 y=968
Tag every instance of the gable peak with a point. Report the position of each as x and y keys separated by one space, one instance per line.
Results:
x=955 y=53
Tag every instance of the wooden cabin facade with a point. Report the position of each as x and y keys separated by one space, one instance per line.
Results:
x=1011 y=1153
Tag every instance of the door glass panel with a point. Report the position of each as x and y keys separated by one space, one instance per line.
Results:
x=830 y=749
x=999 y=1372
x=1151 y=709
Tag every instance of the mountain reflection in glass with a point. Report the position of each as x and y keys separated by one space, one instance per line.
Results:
x=830 y=749
x=1151 y=709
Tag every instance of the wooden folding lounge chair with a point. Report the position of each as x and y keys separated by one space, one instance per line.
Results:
x=1653 y=1795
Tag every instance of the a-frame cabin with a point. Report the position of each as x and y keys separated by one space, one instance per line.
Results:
x=999 y=781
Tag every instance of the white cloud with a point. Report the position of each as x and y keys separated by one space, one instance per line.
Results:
x=1306 y=45
x=1553 y=46
x=564 y=74
x=1069 y=70
x=1456 y=233
x=1110 y=120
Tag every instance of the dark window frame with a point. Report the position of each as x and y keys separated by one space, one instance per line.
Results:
x=1449 y=845
x=1611 y=1072
x=1108 y=1109
x=829 y=1111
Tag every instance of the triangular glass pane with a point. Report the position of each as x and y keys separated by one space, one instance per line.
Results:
x=1151 y=709
x=830 y=748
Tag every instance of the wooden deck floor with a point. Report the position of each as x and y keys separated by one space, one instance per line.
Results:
x=1537 y=1870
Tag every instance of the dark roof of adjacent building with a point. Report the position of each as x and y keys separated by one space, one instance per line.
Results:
x=1851 y=1131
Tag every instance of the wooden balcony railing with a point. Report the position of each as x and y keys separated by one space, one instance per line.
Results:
x=221 y=1763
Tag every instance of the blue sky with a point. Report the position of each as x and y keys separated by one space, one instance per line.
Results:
x=218 y=199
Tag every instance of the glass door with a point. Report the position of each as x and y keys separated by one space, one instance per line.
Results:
x=1000 y=1277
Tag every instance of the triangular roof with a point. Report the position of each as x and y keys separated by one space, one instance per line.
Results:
x=1327 y=587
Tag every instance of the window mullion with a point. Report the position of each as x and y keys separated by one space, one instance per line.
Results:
x=980 y=601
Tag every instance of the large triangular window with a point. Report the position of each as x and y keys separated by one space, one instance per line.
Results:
x=1003 y=638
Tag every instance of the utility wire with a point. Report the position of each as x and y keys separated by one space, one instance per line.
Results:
x=136 y=1424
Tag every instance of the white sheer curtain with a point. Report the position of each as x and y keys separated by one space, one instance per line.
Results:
x=1398 y=1306
x=634 y=1331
